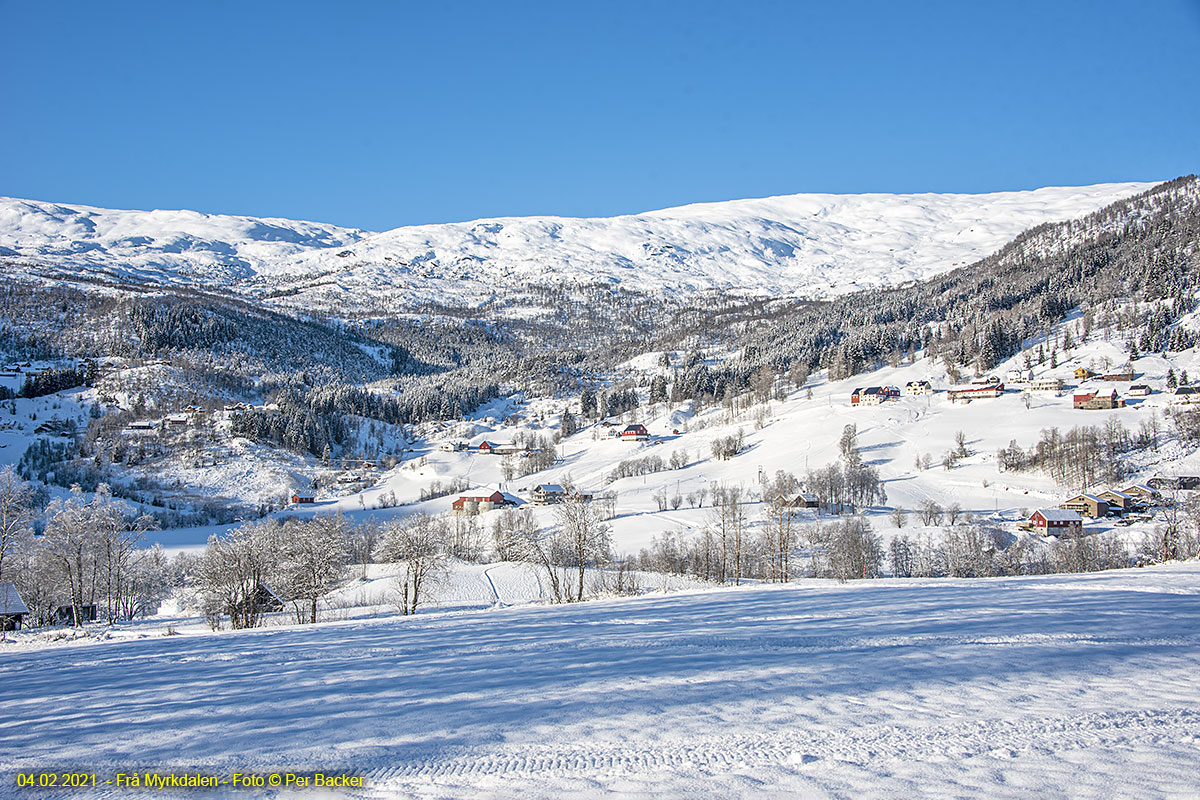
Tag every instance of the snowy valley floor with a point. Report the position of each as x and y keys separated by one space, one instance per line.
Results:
x=1057 y=686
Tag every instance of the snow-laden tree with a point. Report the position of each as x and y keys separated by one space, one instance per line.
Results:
x=234 y=571
x=312 y=561
x=583 y=540
x=92 y=545
x=16 y=514
x=420 y=542
x=779 y=534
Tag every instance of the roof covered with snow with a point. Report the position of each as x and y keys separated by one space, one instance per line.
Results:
x=1058 y=515
x=10 y=600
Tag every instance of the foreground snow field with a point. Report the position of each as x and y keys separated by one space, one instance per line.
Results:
x=1057 y=686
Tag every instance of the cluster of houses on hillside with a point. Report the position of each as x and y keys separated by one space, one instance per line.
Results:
x=543 y=494
x=23 y=370
x=1067 y=518
x=631 y=433
x=873 y=395
x=1085 y=397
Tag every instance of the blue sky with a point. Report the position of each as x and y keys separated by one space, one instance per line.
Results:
x=383 y=114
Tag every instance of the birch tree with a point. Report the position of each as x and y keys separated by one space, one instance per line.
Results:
x=420 y=543
x=583 y=539
x=313 y=560
x=16 y=514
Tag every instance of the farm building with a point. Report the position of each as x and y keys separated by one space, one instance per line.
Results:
x=1179 y=482
x=805 y=500
x=1055 y=522
x=1097 y=399
x=1142 y=493
x=1088 y=505
x=1118 y=501
x=65 y=615
x=500 y=448
x=1187 y=394
x=546 y=493
x=263 y=601
x=472 y=504
x=914 y=388
x=975 y=391
x=1140 y=390
x=873 y=395
x=303 y=496
x=1046 y=385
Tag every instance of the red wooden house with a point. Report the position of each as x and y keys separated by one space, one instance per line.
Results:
x=1056 y=522
x=635 y=433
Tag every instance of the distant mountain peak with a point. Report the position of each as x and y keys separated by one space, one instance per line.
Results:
x=803 y=245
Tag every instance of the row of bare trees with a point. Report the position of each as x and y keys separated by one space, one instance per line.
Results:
x=89 y=553
x=246 y=573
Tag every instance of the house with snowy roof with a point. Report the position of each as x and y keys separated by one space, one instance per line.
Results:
x=635 y=433
x=546 y=493
x=1097 y=399
x=1089 y=505
x=478 y=503
x=1118 y=501
x=1187 y=394
x=1142 y=493
x=1056 y=522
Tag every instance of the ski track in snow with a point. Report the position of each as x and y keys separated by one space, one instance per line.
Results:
x=1062 y=686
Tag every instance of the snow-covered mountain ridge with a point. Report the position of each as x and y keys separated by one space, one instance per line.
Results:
x=803 y=245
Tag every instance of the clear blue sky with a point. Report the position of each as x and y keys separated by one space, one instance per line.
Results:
x=380 y=114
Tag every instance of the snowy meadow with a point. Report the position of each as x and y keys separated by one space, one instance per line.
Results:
x=1051 y=686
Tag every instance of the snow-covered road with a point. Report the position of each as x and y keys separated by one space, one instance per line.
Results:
x=1060 y=686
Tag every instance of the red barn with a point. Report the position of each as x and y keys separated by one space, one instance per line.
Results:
x=479 y=503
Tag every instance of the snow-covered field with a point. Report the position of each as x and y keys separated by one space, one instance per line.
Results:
x=1058 y=686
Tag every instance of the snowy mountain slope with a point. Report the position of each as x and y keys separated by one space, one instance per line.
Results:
x=808 y=244
x=796 y=436
x=158 y=245
x=1059 y=686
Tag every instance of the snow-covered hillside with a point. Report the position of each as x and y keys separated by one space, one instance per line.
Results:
x=807 y=244
x=1060 y=686
x=168 y=246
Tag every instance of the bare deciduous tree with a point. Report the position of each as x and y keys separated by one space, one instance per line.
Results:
x=16 y=514
x=420 y=542
x=312 y=561
x=584 y=536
